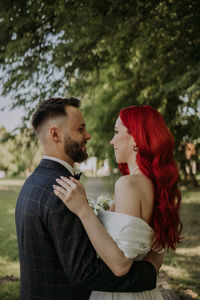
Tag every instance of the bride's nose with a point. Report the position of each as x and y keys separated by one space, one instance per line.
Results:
x=111 y=142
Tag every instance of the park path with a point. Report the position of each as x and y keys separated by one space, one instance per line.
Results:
x=95 y=186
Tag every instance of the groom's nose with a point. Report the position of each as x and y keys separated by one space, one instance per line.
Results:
x=87 y=136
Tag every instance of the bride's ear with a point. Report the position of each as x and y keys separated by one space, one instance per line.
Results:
x=133 y=144
x=135 y=148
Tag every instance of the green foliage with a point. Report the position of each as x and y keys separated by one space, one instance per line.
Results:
x=9 y=259
x=19 y=153
x=112 y=54
x=9 y=290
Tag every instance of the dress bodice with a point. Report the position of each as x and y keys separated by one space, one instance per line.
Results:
x=135 y=238
x=132 y=234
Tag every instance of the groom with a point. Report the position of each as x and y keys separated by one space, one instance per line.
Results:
x=57 y=260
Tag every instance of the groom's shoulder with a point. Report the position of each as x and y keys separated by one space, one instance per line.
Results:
x=47 y=170
x=40 y=175
x=44 y=176
x=38 y=187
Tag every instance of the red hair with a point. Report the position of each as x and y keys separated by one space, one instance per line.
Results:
x=155 y=159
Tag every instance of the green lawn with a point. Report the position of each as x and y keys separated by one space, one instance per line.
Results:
x=9 y=264
x=182 y=268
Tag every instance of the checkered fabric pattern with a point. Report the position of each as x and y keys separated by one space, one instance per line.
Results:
x=57 y=260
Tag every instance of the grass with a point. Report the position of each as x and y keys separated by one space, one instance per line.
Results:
x=181 y=269
x=9 y=262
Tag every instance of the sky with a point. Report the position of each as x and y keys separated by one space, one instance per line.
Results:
x=9 y=119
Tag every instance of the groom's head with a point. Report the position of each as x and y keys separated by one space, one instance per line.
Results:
x=60 y=127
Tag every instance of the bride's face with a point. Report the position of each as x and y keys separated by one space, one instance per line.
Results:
x=122 y=142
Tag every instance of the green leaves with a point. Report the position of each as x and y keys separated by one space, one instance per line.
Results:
x=109 y=53
x=19 y=153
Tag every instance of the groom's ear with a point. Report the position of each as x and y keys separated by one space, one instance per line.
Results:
x=54 y=133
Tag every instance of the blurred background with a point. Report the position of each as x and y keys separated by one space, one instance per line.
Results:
x=110 y=55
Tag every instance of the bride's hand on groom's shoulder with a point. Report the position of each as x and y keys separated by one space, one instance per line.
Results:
x=72 y=193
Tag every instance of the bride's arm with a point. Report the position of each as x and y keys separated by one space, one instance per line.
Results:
x=103 y=243
x=73 y=195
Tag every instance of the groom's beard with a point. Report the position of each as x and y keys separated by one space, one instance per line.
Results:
x=74 y=151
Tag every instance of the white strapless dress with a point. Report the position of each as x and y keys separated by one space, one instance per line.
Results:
x=134 y=237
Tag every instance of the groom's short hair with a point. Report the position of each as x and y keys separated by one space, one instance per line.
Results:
x=53 y=107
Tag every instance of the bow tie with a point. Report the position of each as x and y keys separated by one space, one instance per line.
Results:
x=77 y=176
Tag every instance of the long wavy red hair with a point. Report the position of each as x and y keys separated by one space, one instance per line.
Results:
x=155 y=159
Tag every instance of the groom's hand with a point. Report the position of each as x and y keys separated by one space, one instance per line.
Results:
x=155 y=258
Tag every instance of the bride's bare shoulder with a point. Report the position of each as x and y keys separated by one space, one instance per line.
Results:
x=123 y=181
x=127 y=196
x=131 y=181
x=134 y=195
x=135 y=181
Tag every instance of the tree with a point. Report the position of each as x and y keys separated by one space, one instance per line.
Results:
x=19 y=153
x=112 y=54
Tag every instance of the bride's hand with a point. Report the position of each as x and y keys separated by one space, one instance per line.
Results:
x=72 y=193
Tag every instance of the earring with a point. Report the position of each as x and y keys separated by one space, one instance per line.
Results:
x=135 y=148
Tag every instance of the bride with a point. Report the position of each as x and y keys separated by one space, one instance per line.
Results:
x=145 y=213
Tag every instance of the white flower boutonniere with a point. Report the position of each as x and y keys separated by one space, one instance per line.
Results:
x=102 y=202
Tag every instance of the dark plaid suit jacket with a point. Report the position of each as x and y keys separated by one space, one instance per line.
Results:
x=57 y=260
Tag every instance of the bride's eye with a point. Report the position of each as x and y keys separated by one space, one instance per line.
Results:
x=115 y=131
